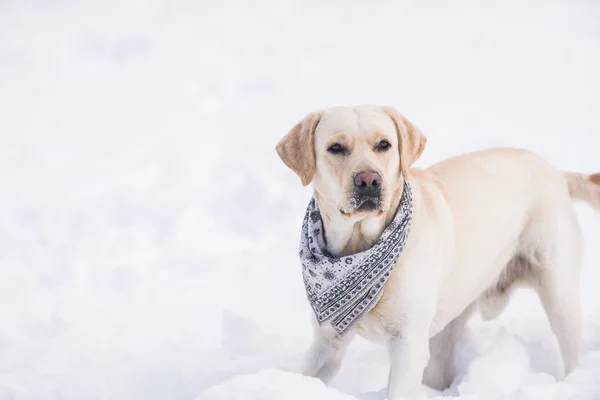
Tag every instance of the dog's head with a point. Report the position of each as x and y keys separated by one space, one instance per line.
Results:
x=356 y=157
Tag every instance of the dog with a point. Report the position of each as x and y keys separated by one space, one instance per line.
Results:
x=483 y=224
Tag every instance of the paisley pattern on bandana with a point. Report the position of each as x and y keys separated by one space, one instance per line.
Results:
x=341 y=290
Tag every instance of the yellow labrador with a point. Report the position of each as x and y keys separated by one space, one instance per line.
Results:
x=483 y=223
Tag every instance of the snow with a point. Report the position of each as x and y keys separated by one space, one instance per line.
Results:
x=273 y=384
x=148 y=230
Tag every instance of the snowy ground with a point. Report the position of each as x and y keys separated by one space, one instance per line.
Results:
x=148 y=231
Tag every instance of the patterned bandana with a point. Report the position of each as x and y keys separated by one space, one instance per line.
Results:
x=342 y=290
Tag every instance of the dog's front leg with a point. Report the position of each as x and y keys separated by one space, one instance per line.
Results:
x=408 y=335
x=323 y=359
x=409 y=353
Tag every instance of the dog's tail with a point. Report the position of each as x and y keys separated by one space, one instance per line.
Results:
x=584 y=187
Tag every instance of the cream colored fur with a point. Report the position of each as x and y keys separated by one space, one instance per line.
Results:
x=484 y=223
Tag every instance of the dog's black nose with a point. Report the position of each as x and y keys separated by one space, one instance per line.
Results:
x=368 y=182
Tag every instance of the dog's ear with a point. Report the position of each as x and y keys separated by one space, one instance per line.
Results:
x=297 y=148
x=411 y=141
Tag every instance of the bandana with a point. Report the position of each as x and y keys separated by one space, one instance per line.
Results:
x=344 y=289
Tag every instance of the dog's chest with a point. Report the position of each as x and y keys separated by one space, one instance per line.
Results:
x=345 y=240
x=373 y=325
x=371 y=328
x=385 y=318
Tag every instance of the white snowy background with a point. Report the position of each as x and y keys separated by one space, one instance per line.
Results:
x=148 y=230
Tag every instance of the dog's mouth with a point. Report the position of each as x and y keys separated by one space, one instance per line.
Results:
x=364 y=204
x=369 y=205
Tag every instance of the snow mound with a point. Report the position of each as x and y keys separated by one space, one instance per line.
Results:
x=497 y=364
x=499 y=370
x=272 y=384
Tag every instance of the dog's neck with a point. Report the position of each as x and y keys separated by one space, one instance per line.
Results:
x=349 y=234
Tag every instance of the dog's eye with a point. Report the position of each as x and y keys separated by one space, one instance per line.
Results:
x=336 y=148
x=383 y=145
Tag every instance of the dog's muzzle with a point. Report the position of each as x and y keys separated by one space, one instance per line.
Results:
x=367 y=191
